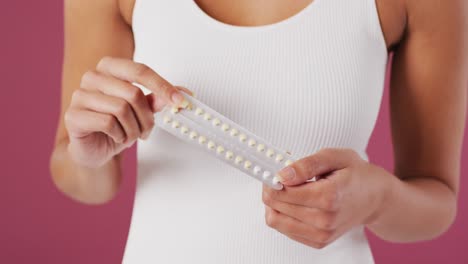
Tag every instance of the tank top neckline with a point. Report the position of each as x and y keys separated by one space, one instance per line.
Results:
x=202 y=15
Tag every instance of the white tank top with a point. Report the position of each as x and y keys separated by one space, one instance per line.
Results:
x=312 y=81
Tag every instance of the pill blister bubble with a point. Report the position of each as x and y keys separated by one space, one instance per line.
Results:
x=220 y=149
x=242 y=137
x=207 y=116
x=211 y=145
x=234 y=132
x=229 y=155
x=247 y=164
x=175 y=124
x=216 y=122
x=261 y=147
x=270 y=153
x=225 y=127
x=199 y=111
x=202 y=140
x=279 y=158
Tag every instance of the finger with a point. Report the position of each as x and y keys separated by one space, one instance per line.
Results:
x=133 y=72
x=98 y=102
x=290 y=226
x=186 y=90
x=323 y=162
x=81 y=123
x=323 y=194
x=306 y=242
x=121 y=89
x=158 y=103
x=321 y=219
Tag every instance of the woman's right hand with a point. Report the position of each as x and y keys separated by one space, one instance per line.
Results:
x=107 y=113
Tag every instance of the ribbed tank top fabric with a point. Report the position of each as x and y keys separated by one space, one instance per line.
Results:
x=312 y=81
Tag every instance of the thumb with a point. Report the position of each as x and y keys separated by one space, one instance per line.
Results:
x=157 y=103
x=322 y=162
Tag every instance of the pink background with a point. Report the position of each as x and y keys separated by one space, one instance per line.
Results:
x=40 y=225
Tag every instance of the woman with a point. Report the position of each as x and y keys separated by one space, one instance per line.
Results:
x=307 y=76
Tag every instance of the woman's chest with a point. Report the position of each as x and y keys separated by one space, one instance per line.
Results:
x=302 y=85
x=392 y=14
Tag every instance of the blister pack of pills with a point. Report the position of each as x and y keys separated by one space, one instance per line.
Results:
x=198 y=124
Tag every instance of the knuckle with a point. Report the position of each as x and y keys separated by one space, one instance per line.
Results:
x=351 y=153
x=122 y=109
x=151 y=124
x=271 y=220
x=133 y=134
x=87 y=78
x=141 y=70
x=326 y=151
x=76 y=96
x=331 y=197
x=165 y=89
x=103 y=62
x=327 y=221
x=330 y=201
x=266 y=198
x=288 y=226
x=310 y=165
x=324 y=237
x=109 y=123
x=319 y=245
x=310 y=161
x=134 y=95
x=68 y=116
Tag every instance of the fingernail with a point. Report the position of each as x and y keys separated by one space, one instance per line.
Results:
x=287 y=174
x=177 y=98
x=184 y=104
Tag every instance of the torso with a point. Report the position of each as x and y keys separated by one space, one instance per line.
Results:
x=253 y=13
x=303 y=78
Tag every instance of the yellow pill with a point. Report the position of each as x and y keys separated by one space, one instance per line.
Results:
x=193 y=135
x=260 y=147
x=279 y=158
x=270 y=153
x=220 y=149
x=175 y=124
x=242 y=137
x=216 y=122
x=167 y=119
x=229 y=155
x=199 y=111
x=184 y=130
x=207 y=116
x=202 y=140
x=211 y=145
x=225 y=127
x=234 y=132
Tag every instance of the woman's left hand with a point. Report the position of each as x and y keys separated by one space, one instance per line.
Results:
x=349 y=192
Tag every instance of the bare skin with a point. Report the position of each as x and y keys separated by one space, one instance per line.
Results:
x=103 y=114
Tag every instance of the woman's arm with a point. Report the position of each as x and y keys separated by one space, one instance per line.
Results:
x=103 y=113
x=92 y=31
x=428 y=104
